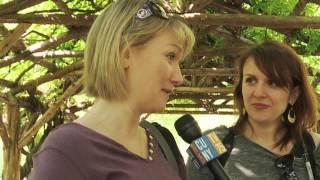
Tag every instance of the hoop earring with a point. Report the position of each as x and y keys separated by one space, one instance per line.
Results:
x=291 y=115
x=244 y=111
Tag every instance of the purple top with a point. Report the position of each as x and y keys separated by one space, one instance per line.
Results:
x=74 y=152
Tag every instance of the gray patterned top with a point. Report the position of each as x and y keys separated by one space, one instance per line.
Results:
x=250 y=161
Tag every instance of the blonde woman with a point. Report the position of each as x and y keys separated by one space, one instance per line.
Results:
x=131 y=67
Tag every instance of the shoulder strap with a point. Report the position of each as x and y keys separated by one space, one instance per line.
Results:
x=311 y=145
x=228 y=143
x=160 y=133
x=316 y=139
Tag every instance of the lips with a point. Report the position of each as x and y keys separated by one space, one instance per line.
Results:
x=260 y=106
x=168 y=91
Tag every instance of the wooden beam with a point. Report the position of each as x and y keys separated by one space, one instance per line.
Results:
x=213 y=52
x=74 y=20
x=226 y=7
x=63 y=7
x=202 y=90
x=197 y=106
x=210 y=72
x=288 y=22
x=299 y=7
x=15 y=6
x=26 y=137
x=198 y=5
x=46 y=78
x=51 y=43
x=56 y=54
x=199 y=96
x=11 y=39
x=4 y=133
x=196 y=112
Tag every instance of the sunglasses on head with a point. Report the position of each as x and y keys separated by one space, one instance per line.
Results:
x=150 y=8
x=285 y=163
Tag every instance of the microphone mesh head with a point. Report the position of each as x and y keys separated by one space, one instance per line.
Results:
x=187 y=128
x=183 y=120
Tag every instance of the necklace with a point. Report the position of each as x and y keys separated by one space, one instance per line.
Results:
x=150 y=146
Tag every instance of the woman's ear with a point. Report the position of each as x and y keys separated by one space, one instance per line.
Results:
x=125 y=58
x=294 y=94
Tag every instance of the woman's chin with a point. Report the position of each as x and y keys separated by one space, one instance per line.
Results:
x=157 y=109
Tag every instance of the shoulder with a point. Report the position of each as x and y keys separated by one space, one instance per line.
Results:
x=64 y=134
x=316 y=138
x=60 y=154
x=68 y=139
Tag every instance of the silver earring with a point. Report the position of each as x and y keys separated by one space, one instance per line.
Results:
x=243 y=111
x=291 y=115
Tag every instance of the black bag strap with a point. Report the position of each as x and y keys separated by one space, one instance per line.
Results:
x=228 y=143
x=311 y=146
x=166 y=141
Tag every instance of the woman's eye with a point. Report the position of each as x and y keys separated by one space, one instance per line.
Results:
x=272 y=83
x=250 y=80
x=171 y=56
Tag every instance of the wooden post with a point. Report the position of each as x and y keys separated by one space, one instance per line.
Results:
x=11 y=164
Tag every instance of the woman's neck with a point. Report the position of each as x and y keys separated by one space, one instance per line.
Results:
x=111 y=118
x=264 y=131
x=267 y=136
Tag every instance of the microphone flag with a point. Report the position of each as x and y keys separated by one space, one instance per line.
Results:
x=206 y=148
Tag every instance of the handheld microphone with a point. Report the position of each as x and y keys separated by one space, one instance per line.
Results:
x=203 y=150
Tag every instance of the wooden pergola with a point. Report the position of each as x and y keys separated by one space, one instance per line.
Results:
x=221 y=27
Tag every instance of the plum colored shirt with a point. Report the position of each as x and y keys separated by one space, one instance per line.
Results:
x=74 y=152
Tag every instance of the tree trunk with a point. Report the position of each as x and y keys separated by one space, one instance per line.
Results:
x=12 y=156
x=11 y=165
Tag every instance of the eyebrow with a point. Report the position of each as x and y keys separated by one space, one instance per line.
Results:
x=248 y=74
x=175 y=45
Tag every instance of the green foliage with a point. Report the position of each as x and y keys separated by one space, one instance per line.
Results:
x=312 y=61
x=311 y=10
x=182 y=101
x=88 y=5
x=80 y=99
x=214 y=41
x=51 y=90
x=46 y=6
x=74 y=44
x=4 y=1
x=313 y=43
x=267 y=7
x=42 y=33
x=258 y=34
x=12 y=72
x=33 y=73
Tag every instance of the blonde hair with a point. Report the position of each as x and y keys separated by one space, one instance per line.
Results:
x=114 y=30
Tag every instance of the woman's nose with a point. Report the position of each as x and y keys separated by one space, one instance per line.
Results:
x=177 y=77
x=260 y=90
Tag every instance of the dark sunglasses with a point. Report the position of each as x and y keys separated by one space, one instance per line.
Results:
x=285 y=163
x=150 y=8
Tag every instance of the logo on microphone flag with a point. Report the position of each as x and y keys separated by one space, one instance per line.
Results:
x=205 y=149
